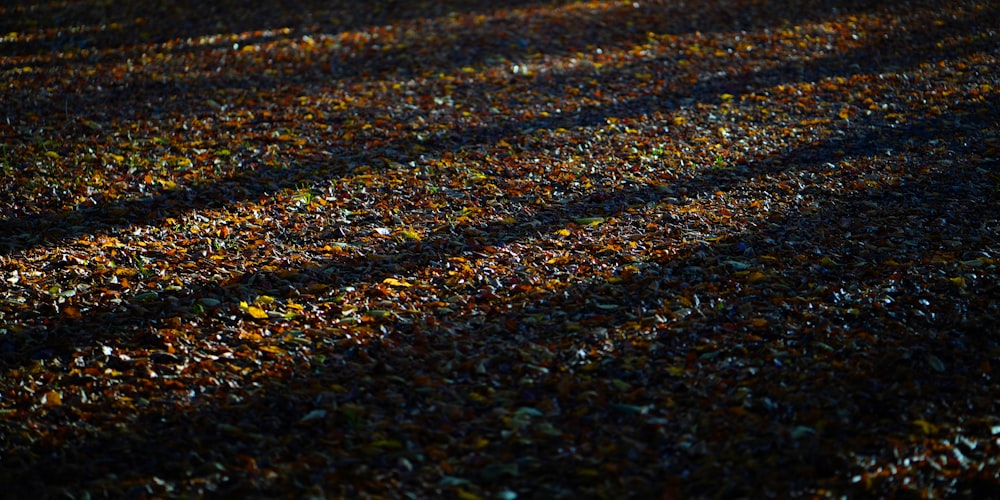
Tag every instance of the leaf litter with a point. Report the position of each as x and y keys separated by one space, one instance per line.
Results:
x=544 y=249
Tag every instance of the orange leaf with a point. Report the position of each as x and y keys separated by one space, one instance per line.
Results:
x=52 y=398
x=72 y=312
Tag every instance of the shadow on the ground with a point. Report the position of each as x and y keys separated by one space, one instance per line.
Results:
x=66 y=27
x=251 y=178
x=802 y=423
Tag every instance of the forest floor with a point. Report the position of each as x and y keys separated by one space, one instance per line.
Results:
x=546 y=249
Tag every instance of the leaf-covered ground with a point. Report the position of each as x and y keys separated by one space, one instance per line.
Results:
x=527 y=249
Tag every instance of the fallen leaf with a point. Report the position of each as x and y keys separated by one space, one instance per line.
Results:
x=254 y=311
x=396 y=282
x=589 y=221
x=51 y=398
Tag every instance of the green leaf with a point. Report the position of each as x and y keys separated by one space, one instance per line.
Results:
x=146 y=296
x=313 y=415
x=451 y=481
x=589 y=221
x=936 y=363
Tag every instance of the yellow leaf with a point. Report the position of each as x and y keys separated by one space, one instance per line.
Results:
x=562 y=259
x=273 y=349
x=726 y=97
x=589 y=221
x=389 y=444
x=178 y=161
x=756 y=276
x=411 y=235
x=925 y=426
x=257 y=312
x=52 y=154
x=378 y=313
x=468 y=495
x=254 y=311
x=958 y=281
x=562 y=232
x=264 y=299
x=396 y=282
